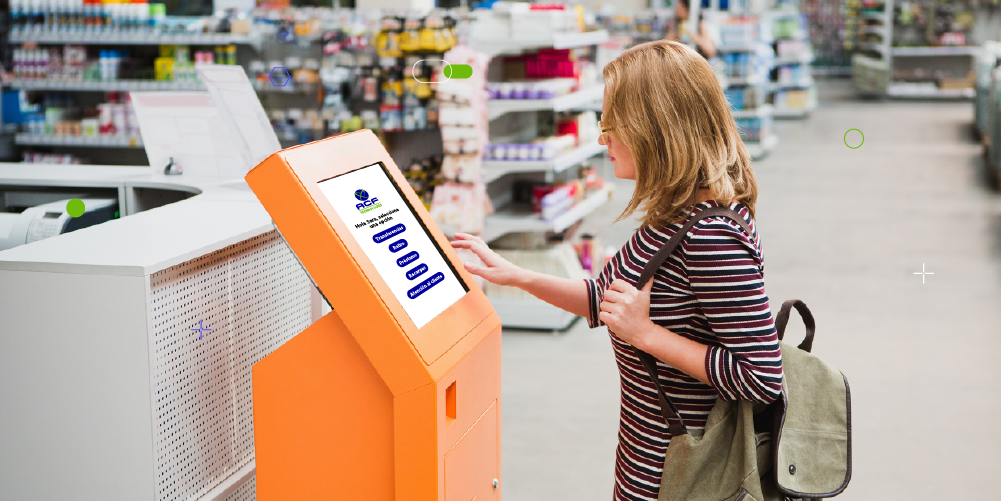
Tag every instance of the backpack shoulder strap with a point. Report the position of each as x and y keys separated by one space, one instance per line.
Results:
x=667 y=408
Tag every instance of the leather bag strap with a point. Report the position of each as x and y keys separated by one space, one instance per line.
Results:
x=782 y=319
x=667 y=408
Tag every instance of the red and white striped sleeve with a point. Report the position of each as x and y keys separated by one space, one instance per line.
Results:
x=725 y=270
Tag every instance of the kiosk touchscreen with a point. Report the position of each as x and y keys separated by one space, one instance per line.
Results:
x=399 y=244
x=395 y=394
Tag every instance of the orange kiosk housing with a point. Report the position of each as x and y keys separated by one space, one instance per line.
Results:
x=395 y=394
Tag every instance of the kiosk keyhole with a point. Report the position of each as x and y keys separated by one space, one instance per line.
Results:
x=450 y=404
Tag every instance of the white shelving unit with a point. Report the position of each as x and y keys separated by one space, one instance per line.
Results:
x=523 y=311
x=572 y=101
x=794 y=112
x=761 y=111
x=102 y=86
x=81 y=141
x=522 y=220
x=555 y=41
x=495 y=169
x=798 y=84
x=934 y=51
x=758 y=149
x=138 y=38
x=803 y=58
x=871 y=71
x=929 y=91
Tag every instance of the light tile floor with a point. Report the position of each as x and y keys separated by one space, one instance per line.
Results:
x=845 y=230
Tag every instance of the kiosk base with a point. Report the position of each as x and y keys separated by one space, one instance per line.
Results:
x=326 y=426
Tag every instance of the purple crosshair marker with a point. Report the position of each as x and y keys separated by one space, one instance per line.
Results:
x=200 y=329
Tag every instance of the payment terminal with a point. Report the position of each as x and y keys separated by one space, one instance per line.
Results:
x=395 y=394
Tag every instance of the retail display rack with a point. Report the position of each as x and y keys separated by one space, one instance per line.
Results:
x=793 y=90
x=74 y=78
x=922 y=49
x=988 y=106
x=871 y=37
x=510 y=118
x=749 y=56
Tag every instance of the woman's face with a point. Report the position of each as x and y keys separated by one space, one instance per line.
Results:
x=621 y=158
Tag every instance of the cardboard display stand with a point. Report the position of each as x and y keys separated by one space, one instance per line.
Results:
x=395 y=394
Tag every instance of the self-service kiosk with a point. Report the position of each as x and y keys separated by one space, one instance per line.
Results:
x=395 y=394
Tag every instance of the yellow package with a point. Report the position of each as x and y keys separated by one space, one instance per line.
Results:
x=163 y=68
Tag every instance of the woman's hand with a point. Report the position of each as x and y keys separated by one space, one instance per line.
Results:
x=626 y=311
x=495 y=269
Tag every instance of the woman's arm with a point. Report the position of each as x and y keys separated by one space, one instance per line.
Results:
x=564 y=293
x=747 y=364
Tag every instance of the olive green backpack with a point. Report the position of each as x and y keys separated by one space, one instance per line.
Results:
x=798 y=447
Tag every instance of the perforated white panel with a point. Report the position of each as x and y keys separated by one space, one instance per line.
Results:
x=253 y=296
x=246 y=492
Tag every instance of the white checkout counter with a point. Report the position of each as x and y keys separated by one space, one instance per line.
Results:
x=126 y=347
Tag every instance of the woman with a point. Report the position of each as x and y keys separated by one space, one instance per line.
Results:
x=705 y=315
x=705 y=38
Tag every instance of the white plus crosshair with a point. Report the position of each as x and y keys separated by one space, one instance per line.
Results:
x=923 y=273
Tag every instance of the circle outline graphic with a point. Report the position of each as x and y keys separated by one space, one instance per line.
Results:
x=845 y=139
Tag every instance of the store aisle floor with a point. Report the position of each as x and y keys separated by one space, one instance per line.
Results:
x=845 y=230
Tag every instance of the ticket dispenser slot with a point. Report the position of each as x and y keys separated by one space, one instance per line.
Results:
x=372 y=400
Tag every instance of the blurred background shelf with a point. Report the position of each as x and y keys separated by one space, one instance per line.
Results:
x=79 y=141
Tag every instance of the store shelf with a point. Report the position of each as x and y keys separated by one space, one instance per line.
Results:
x=289 y=88
x=872 y=15
x=934 y=51
x=531 y=313
x=574 y=100
x=798 y=84
x=80 y=141
x=761 y=111
x=105 y=86
x=495 y=169
x=751 y=47
x=803 y=58
x=574 y=40
x=519 y=220
x=873 y=46
x=908 y=90
x=751 y=80
x=556 y=41
x=758 y=149
x=793 y=112
x=878 y=30
x=136 y=38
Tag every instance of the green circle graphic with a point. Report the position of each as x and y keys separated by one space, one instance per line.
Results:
x=846 y=139
x=75 y=207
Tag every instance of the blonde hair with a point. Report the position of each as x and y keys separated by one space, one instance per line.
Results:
x=666 y=106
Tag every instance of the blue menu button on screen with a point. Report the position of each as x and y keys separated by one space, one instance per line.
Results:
x=407 y=259
x=397 y=245
x=417 y=271
x=426 y=285
x=384 y=235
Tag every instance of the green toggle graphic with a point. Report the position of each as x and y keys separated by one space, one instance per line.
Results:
x=458 y=71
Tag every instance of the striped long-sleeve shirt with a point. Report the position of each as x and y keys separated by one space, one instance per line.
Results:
x=712 y=291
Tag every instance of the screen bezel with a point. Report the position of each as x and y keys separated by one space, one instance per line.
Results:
x=420 y=221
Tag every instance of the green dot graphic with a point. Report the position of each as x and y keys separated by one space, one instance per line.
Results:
x=75 y=207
